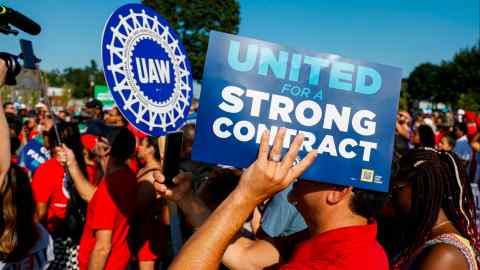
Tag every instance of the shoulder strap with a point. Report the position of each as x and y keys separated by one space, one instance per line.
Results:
x=458 y=242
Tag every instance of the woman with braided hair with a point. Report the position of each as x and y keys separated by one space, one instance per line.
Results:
x=433 y=200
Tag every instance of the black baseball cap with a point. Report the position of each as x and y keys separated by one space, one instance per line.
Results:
x=94 y=104
x=98 y=128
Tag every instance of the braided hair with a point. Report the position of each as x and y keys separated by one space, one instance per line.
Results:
x=438 y=182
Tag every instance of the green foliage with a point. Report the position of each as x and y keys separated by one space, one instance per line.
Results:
x=34 y=98
x=193 y=20
x=77 y=79
x=469 y=102
x=55 y=78
x=423 y=82
x=6 y=93
x=403 y=104
x=451 y=82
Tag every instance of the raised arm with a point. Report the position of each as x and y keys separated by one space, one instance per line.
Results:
x=205 y=249
x=241 y=252
x=4 y=131
x=84 y=188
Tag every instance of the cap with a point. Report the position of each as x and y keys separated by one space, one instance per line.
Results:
x=137 y=133
x=41 y=106
x=94 y=104
x=470 y=116
x=98 y=128
x=88 y=141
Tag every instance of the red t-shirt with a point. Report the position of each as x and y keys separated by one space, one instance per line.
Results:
x=110 y=208
x=346 y=248
x=153 y=232
x=91 y=170
x=438 y=137
x=471 y=129
x=48 y=187
x=34 y=133
x=133 y=165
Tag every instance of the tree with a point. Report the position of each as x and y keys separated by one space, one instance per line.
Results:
x=466 y=69
x=77 y=79
x=455 y=82
x=404 y=101
x=423 y=82
x=469 y=102
x=194 y=19
x=55 y=78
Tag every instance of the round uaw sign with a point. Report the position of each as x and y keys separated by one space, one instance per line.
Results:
x=147 y=69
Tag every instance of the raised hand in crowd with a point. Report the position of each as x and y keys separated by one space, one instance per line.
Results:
x=402 y=125
x=66 y=157
x=266 y=176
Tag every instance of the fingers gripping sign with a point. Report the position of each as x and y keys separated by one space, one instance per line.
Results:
x=65 y=155
x=176 y=193
x=265 y=177
x=270 y=174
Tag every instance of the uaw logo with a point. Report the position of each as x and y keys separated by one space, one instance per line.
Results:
x=147 y=69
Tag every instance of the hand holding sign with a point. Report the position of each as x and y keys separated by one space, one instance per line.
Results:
x=180 y=191
x=268 y=174
x=344 y=108
x=147 y=70
x=65 y=155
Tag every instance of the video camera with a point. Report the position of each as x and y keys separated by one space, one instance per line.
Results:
x=9 y=17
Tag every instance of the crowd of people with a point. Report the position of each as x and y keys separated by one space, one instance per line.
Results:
x=101 y=202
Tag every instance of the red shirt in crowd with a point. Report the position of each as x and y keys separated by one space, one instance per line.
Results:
x=133 y=165
x=34 y=133
x=471 y=129
x=438 y=137
x=153 y=232
x=110 y=208
x=48 y=187
x=346 y=248
x=91 y=171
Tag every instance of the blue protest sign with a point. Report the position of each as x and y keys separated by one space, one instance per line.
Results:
x=32 y=155
x=147 y=69
x=345 y=109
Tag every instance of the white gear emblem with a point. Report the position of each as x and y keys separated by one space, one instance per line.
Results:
x=126 y=35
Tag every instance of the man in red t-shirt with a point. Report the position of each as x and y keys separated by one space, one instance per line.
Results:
x=108 y=212
x=50 y=195
x=110 y=205
x=340 y=233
